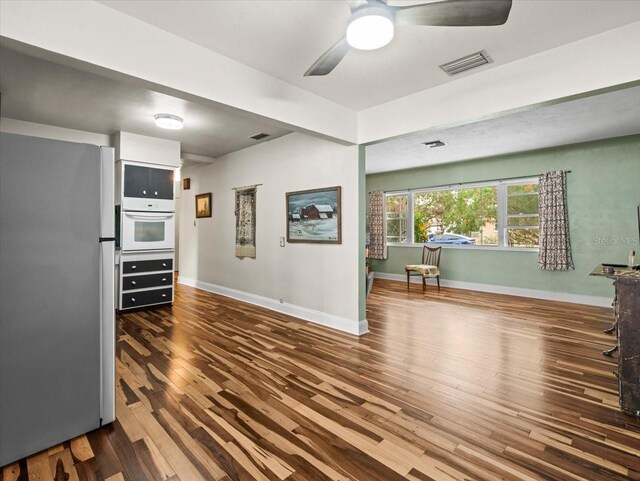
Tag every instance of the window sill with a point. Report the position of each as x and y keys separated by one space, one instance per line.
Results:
x=470 y=248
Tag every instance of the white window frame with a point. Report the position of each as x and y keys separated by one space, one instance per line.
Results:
x=409 y=219
x=505 y=216
x=501 y=221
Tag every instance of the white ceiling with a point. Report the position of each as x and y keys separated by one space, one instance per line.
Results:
x=602 y=116
x=284 y=37
x=37 y=90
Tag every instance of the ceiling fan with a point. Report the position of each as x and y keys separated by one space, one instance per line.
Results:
x=372 y=22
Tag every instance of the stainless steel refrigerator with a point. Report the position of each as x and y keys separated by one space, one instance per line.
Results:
x=57 y=325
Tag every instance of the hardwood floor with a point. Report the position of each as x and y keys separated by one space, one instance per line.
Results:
x=455 y=385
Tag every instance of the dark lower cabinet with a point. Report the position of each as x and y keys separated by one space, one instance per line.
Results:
x=144 y=298
x=142 y=282
x=628 y=313
x=146 y=279
x=135 y=267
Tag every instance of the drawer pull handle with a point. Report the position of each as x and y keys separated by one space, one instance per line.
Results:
x=164 y=279
x=133 y=299
x=144 y=192
x=133 y=283
x=164 y=295
x=133 y=267
x=164 y=264
x=155 y=193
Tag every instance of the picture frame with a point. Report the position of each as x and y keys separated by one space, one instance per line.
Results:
x=203 y=205
x=186 y=183
x=314 y=216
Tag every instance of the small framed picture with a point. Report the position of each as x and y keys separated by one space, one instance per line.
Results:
x=203 y=205
x=186 y=183
x=314 y=216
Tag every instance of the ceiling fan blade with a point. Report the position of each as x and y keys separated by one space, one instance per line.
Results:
x=328 y=60
x=455 y=13
x=356 y=4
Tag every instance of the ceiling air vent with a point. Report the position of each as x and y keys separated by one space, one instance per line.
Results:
x=466 y=63
x=434 y=143
x=259 y=136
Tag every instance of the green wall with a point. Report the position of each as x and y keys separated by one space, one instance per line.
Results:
x=603 y=192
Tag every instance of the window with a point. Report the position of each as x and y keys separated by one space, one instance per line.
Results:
x=502 y=214
x=522 y=228
x=456 y=216
x=397 y=215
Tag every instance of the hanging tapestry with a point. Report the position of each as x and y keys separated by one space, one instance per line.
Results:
x=246 y=222
x=377 y=226
x=555 y=245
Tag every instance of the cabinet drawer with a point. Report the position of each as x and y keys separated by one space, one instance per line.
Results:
x=133 y=267
x=150 y=280
x=144 y=298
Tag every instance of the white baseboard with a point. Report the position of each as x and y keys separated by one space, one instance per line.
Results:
x=311 y=315
x=511 y=291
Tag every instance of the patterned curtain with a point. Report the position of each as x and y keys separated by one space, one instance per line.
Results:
x=555 y=246
x=246 y=222
x=377 y=226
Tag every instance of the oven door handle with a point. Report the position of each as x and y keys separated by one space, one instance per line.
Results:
x=142 y=216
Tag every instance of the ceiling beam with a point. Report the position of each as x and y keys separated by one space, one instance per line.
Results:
x=197 y=158
x=597 y=62
x=99 y=36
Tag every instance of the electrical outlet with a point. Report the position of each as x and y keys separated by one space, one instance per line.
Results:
x=281 y=241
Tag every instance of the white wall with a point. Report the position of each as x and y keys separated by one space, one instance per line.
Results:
x=318 y=282
x=21 y=127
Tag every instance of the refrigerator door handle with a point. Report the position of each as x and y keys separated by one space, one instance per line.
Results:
x=107 y=333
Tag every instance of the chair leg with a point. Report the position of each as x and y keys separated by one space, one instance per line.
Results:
x=424 y=283
x=609 y=352
x=408 y=275
x=438 y=279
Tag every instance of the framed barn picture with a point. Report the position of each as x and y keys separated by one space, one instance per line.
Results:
x=314 y=216
x=203 y=205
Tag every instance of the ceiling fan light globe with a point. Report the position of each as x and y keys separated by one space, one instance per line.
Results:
x=370 y=28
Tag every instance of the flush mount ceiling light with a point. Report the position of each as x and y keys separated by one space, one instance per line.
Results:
x=370 y=28
x=168 y=121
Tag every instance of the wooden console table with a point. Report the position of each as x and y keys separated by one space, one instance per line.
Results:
x=628 y=319
x=600 y=272
x=626 y=324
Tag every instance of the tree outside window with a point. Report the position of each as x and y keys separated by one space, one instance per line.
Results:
x=470 y=213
